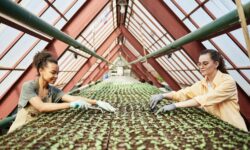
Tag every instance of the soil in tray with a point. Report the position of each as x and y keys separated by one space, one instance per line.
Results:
x=132 y=127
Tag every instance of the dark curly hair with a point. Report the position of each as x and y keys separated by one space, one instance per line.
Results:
x=41 y=59
x=216 y=56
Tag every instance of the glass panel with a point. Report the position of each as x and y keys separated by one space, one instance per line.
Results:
x=166 y=68
x=103 y=38
x=172 y=62
x=220 y=8
x=187 y=57
x=137 y=36
x=186 y=77
x=7 y=36
x=70 y=63
x=62 y=5
x=161 y=44
x=137 y=26
x=79 y=65
x=2 y=73
x=188 y=6
x=227 y=64
x=73 y=10
x=166 y=41
x=9 y=81
x=246 y=73
x=198 y=74
x=186 y=62
x=100 y=28
x=50 y=16
x=148 y=22
x=74 y=65
x=201 y=17
x=232 y=50
x=109 y=49
x=241 y=81
x=63 y=59
x=60 y=75
x=170 y=38
x=192 y=76
x=163 y=64
x=86 y=75
x=69 y=77
x=60 y=24
x=148 y=15
x=17 y=51
x=190 y=25
x=181 y=77
x=25 y=63
x=132 y=49
x=63 y=79
x=208 y=45
x=33 y=6
x=64 y=63
x=179 y=62
x=238 y=34
x=175 y=77
x=174 y=9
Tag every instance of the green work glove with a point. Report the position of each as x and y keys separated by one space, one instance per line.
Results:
x=106 y=106
x=80 y=104
x=155 y=99
x=166 y=108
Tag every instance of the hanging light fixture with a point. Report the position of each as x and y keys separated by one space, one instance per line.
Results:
x=122 y=4
x=122 y=10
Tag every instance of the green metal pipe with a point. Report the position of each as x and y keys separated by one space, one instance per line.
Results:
x=14 y=11
x=217 y=25
x=6 y=121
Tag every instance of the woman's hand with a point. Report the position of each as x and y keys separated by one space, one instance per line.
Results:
x=106 y=106
x=155 y=99
x=166 y=108
x=80 y=104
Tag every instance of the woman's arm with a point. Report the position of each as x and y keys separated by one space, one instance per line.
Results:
x=187 y=103
x=37 y=103
x=184 y=94
x=168 y=95
x=70 y=98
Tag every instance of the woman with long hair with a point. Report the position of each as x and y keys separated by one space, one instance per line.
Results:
x=216 y=93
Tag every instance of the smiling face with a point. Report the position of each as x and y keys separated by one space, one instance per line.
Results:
x=207 y=66
x=49 y=73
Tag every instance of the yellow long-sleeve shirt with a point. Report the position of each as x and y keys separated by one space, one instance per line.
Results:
x=220 y=99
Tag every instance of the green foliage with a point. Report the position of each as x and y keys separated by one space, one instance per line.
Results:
x=133 y=126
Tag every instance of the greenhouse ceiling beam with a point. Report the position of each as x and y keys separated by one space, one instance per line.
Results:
x=74 y=27
x=136 y=44
x=86 y=66
x=173 y=25
x=137 y=67
x=135 y=73
x=21 y=15
x=101 y=66
x=219 y=24
x=104 y=67
x=102 y=71
x=141 y=66
x=136 y=70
